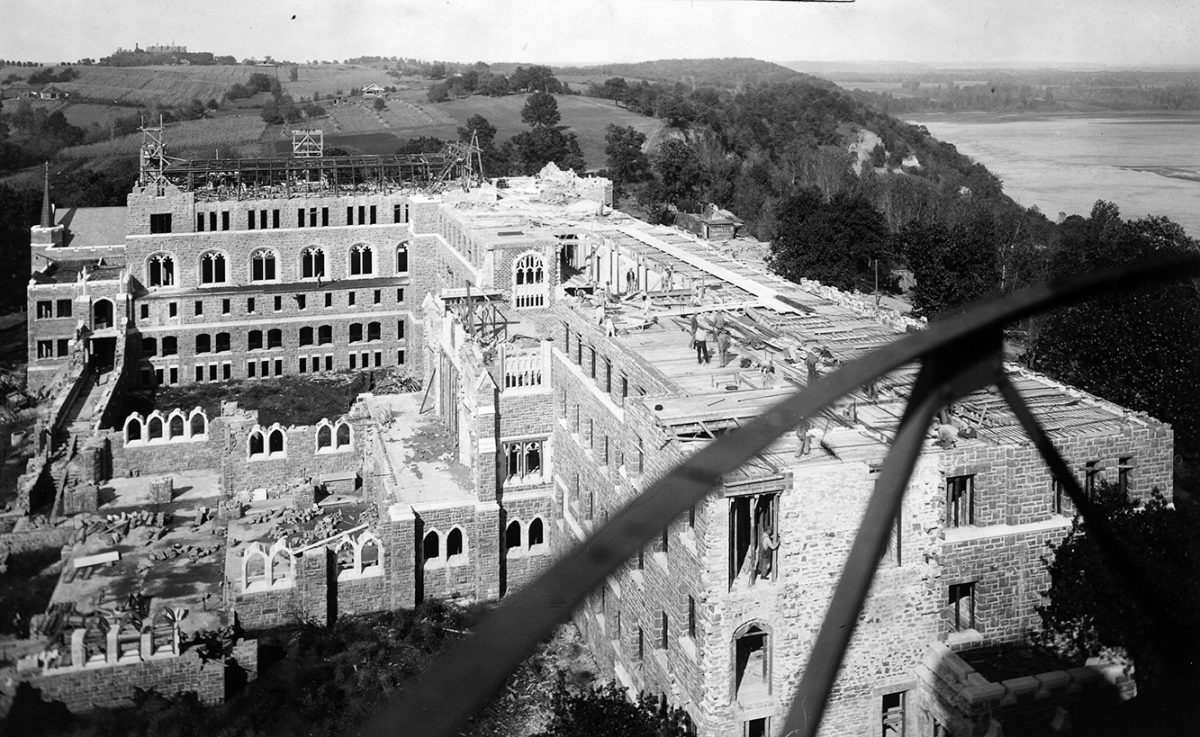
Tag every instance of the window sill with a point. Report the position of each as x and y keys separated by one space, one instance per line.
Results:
x=688 y=646
x=370 y=572
x=964 y=638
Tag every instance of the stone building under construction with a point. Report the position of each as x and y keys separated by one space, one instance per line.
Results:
x=554 y=338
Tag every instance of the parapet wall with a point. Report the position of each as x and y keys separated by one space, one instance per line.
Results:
x=105 y=687
x=964 y=702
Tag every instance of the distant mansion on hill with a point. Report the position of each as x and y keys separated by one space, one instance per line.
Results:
x=552 y=338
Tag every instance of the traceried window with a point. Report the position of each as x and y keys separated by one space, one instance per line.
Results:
x=312 y=263
x=262 y=265
x=160 y=270
x=524 y=460
x=212 y=268
x=529 y=282
x=361 y=260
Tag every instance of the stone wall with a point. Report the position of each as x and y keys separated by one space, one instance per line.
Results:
x=963 y=702
x=103 y=687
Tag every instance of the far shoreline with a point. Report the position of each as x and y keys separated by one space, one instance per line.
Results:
x=1182 y=117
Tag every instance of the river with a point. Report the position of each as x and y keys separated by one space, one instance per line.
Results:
x=1146 y=163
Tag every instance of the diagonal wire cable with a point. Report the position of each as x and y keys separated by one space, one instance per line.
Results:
x=446 y=696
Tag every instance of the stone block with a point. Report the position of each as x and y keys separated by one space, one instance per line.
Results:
x=162 y=490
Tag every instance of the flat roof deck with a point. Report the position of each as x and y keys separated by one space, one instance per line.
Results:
x=422 y=456
x=177 y=565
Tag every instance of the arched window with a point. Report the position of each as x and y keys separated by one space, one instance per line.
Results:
x=175 y=426
x=170 y=346
x=133 y=428
x=256 y=442
x=149 y=347
x=276 y=441
x=324 y=335
x=306 y=336
x=203 y=343
x=312 y=263
x=212 y=267
x=356 y=332
x=402 y=258
x=751 y=662
x=536 y=532
x=254 y=340
x=102 y=314
x=343 y=435
x=160 y=270
x=361 y=260
x=256 y=566
x=199 y=424
x=154 y=429
x=262 y=265
x=345 y=556
x=324 y=437
x=370 y=555
x=454 y=543
x=512 y=536
x=223 y=343
x=431 y=547
x=274 y=338
x=374 y=331
x=529 y=288
x=281 y=566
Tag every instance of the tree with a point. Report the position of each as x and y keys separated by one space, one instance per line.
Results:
x=495 y=160
x=601 y=711
x=535 y=148
x=836 y=243
x=1091 y=607
x=379 y=104
x=1140 y=348
x=627 y=162
x=681 y=174
x=951 y=266
x=481 y=128
x=540 y=111
x=293 y=74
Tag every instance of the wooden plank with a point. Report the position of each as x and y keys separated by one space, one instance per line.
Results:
x=98 y=559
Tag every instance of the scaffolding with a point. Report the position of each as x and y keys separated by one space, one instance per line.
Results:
x=308 y=172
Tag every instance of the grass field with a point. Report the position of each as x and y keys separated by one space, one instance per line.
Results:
x=189 y=136
x=586 y=116
x=408 y=114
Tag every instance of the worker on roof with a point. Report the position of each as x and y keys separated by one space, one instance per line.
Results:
x=723 y=347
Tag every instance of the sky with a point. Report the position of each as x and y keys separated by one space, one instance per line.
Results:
x=1122 y=33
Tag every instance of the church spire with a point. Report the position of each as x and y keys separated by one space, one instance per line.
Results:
x=47 y=218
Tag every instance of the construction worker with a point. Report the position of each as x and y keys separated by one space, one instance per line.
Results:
x=723 y=347
x=803 y=435
x=701 y=343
